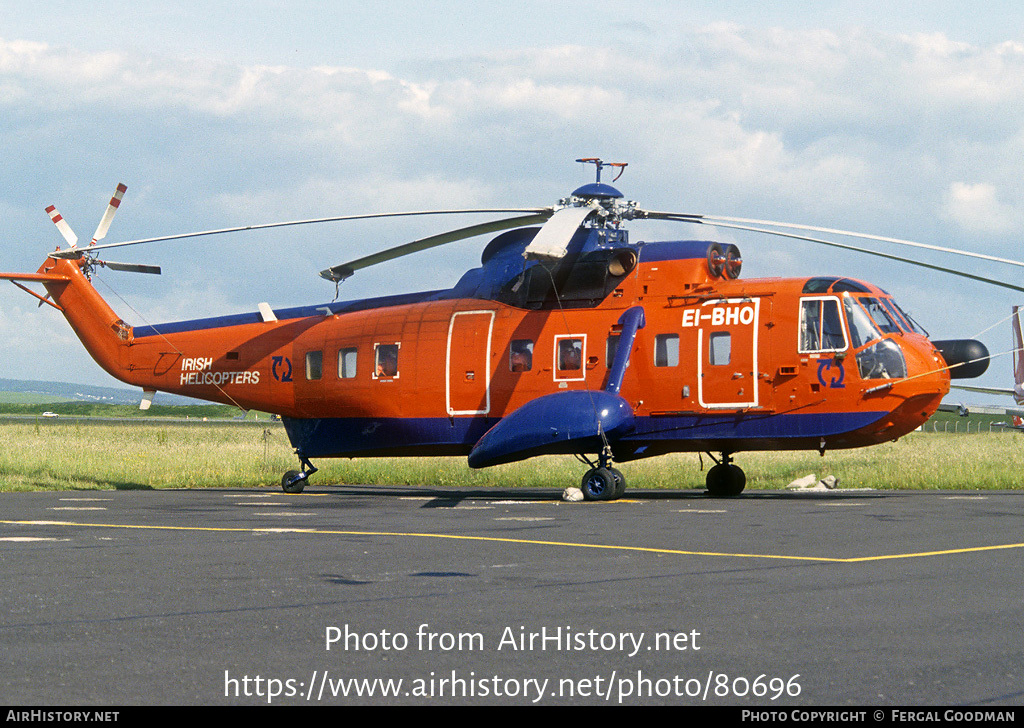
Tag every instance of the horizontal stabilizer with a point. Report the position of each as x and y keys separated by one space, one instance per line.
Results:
x=42 y=277
x=559 y=423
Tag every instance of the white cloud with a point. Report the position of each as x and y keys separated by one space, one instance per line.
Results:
x=977 y=208
x=845 y=128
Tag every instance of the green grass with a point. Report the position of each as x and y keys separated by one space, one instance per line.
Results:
x=56 y=455
x=93 y=409
x=28 y=398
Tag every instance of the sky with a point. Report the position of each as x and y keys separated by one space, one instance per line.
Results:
x=900 y=119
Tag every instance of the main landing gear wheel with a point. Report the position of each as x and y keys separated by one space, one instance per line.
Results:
x=725 y=480
x=620 y=483
x=602 y=484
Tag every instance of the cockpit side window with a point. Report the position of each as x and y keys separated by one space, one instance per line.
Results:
x=821 y=325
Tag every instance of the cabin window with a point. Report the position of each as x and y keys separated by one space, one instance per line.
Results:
x=314 y=364
x=347 y=363
x=570 y=355
x=386 y=361
x=610 y=347
x=720 y=348
x=666 y=350
x=520 y=355
x=821 y=325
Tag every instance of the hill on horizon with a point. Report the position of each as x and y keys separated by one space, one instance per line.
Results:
x=37 y=391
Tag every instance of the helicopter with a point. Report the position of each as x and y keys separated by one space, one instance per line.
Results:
x=1016 y=414
x=568 y=338
x=1017 y=392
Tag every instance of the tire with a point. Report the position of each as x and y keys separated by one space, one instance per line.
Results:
x=726 y=481
x=620 y=483
x=598 y=485
x=292 y=483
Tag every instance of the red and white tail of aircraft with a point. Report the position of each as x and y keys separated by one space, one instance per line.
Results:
x=1018 y=374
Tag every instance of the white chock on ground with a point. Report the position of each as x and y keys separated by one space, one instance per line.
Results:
x=808 y=481
x=811 y=482
x=831 y=482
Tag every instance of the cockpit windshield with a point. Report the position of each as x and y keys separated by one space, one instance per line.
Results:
x=880 y=315
x=869 y=319
x=911 y=325
x=862 y=327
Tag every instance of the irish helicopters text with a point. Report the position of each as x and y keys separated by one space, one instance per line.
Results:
x=569 y=338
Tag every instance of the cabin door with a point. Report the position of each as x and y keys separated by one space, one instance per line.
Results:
x=467 y=363
x=727 y=351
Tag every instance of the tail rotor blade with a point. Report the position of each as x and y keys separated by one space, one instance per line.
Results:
x=62 y=226
x=131 y=267
x=108 y=216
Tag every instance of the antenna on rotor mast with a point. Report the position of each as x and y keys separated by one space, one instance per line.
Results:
x=597 y=162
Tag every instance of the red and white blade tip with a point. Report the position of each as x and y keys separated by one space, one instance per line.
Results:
x=62 y=226
x=108 y=216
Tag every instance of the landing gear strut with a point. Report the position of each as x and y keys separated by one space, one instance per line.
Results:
x=603 y=482
x=294 y=481
x=725 y=480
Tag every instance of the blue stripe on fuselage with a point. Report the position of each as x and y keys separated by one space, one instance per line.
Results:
x=341 y=437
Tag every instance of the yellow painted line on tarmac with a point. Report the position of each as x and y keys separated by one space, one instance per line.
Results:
x=946 y=552
x=530 y=542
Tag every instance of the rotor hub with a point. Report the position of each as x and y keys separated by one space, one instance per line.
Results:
x=596 y=191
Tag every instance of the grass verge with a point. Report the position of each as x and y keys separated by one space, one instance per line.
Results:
x=80 y=455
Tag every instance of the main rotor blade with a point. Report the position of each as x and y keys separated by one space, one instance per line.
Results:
x=718 y=220
x=313 y=221
x=553 y=239
x=131 y=267
x=340 y=272
x=867 y=251
x=983 y=390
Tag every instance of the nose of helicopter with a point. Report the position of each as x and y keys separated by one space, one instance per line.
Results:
x=916 y=395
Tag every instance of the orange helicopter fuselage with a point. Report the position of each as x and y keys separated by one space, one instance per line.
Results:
x=718 y=364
